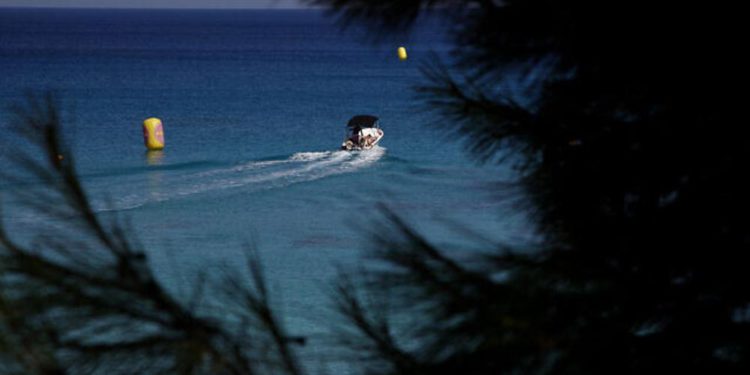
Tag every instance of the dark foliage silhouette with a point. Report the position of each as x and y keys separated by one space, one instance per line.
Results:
x=623 y=134
x=78 y=297
x=622 y=125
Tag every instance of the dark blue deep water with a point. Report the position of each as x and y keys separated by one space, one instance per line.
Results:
x=254 y=105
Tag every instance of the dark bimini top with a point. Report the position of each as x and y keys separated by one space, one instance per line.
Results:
x=363 y=121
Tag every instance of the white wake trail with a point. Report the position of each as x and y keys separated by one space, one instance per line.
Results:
x=252 y=176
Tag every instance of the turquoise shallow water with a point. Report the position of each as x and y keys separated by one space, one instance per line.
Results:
x=254 y=105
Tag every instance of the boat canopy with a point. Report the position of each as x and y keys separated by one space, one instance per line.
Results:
x=363 y=121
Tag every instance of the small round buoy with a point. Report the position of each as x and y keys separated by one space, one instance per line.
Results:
x=402 y=53
x=153 y=134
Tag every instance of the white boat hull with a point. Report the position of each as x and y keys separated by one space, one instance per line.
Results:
x=365 y=140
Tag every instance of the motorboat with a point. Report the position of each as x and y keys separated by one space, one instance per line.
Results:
x=362 y=133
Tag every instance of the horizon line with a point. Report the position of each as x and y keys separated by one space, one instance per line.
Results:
x=159 y=4
x=159 y=8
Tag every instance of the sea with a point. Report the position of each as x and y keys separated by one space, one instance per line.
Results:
x=254 y=105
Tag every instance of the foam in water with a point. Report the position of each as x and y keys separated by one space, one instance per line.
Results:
x=310 y=156
x=252 y=176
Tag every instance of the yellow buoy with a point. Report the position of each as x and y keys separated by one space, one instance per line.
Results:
x=153 y=134
x=402 y=53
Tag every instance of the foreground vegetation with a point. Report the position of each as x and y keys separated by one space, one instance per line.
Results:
x=631 y=166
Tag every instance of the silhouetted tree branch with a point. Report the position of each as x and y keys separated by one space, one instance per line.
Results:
x=78 y=295
x=626 y=144
x=631 y=160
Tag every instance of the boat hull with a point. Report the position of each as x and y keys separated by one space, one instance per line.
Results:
x=363 y=141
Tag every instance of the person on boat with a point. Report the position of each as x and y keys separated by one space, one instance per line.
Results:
x=367 y=141
x=355 y=135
